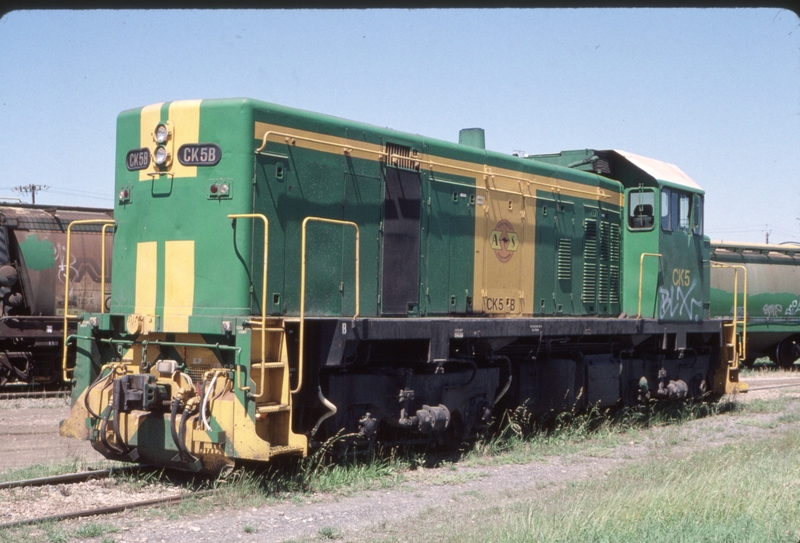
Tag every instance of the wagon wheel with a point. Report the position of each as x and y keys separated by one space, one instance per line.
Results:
x=786 y=353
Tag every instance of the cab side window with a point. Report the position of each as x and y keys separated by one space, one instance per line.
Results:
x=684 y=213
x=666 y=216
x=641 y=206
x=697 y=215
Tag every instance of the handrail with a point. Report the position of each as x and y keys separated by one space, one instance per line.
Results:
x=263 y=289
x=103 y=269
x=736 y=267
x=67 y=316
x=287 y=137
x=641 y=272
x=303 y=286
x=486 y=172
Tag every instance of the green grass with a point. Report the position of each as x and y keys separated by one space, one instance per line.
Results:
x=523 y=438
x=520 y=438
x=328 y=533
x=764 y=366
x=94 y=529
x=740 y=493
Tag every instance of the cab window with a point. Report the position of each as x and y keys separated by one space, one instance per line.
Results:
x=684 y=213
x=666 y=220
x=697 y=215
x=681 y=212
x=641 y=209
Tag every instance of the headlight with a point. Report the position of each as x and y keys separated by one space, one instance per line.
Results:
x=161 y=155
x=162 y=133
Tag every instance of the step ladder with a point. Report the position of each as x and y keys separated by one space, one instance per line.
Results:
x=272 y=396
x=734 y=345
x=726 y=378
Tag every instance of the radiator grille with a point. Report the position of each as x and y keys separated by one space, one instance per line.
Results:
x=399 y=156
x=565 y=259
x=589 y=293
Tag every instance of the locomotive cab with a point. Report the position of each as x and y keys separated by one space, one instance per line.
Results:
x=662 y=233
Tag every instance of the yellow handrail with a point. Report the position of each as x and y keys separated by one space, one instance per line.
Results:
x=303 y=286
x=641 y=270
x=103 y=270
x=736 y=267
x=263 y=295
x=289 y=139
x=64 y=368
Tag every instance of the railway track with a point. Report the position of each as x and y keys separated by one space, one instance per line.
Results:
x=72 y=478
x=68 y=478
x=109 y=510
x=766 y=384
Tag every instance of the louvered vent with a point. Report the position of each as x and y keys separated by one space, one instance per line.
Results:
x=605 y=241
x=614 y=280
x=565 y=259
x=589 y=293
x=613 y=275
x=603 y=278
x=604 y=283
x=400 y=157
x=614 y=249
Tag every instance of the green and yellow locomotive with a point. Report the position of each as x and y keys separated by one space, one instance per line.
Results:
x=280 y=276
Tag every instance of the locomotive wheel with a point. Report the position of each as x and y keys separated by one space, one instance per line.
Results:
x=786 y=353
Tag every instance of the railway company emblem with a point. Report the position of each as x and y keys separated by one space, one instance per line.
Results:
x=504 y=241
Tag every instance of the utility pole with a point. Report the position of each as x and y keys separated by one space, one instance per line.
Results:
x=31 y=189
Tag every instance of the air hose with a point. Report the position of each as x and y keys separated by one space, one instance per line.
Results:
x=89 y=390
x=103 y=427
x=178 y=439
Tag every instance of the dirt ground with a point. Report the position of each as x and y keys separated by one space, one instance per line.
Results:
x=29 y=436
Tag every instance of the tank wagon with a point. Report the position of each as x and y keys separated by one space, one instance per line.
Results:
x=770 y=318
x=33 y=273
x=280 y=276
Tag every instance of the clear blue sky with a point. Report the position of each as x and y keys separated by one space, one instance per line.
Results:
x=714 y=91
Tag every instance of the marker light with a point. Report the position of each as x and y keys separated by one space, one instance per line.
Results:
x=214 y=188
x=124 y=194
x=162 y=133
x=224 y=189
x=161 y=155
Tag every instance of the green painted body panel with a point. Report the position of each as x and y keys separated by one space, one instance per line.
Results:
x=314 y=183
x=577 y=256
x=151 y=216
x=450 y=245
x=674 y=285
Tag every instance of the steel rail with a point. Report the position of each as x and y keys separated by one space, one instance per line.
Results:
x=108 y=510
x=767 y=387
x=67 y=478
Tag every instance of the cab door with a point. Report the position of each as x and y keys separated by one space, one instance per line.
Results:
x=680 y=293
x=641 y=267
